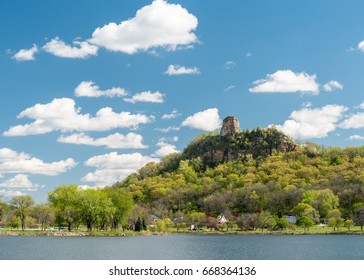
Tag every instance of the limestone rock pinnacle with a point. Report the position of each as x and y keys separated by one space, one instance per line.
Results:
x=230 y=126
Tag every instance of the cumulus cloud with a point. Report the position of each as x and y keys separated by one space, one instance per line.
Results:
x=113 y=141
x=174 y=114
x=21 y=182
x=354 y=121
x=10 y=193
x=159 y=24
x=164 y=149
x=14 y=162
x=90 y=89
x=113 y=167
x=286 y=81
x=355 y=137
x=146 y=96
x=26 y=54
x=361 y=46
x=332 y=85
x=361 y=105
x=181 y=70
x=310 y=123
x=62 y=115
x=80 y=49
x=207 y=120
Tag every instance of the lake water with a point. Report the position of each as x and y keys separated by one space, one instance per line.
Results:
x=188 y=247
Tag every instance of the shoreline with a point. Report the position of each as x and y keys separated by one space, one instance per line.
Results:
x=147 y=233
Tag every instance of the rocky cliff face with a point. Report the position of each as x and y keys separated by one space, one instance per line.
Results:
x=232 y=144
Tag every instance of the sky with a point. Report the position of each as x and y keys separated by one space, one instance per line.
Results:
x=92 y=90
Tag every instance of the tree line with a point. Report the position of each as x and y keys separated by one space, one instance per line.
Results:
x=70 y=207
x=311 y=183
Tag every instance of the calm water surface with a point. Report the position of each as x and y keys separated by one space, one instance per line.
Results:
x=192 y=247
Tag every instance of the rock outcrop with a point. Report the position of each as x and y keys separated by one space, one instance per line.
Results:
x=230 y=126
x=232 y=144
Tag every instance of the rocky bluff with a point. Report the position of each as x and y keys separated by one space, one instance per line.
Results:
x=233 y=144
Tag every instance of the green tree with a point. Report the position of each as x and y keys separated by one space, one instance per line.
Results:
x=304 y=209
x=123 y=203
x=137 y=212
x=282 y=223
x=263 y=220
x=66 y=201
x=44 y=214
x=1 y=209
x=359 y=217
x=22 y=205
x=335 y=220
x=198 y=219
x=245 y=222
x=348 y=224
x=96 y=208
x=138 y=225
x=305 y=222
x=323 y=200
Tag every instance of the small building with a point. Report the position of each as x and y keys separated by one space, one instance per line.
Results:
x=221 y=220
x=291 y=219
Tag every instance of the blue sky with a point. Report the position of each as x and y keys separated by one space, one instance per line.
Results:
x=91 y=91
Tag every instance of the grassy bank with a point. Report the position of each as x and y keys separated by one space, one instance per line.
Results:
x=118 y=233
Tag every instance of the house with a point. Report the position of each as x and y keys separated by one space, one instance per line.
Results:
x=221 y=220
x=291 y=219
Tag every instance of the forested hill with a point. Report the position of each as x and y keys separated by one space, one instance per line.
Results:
x=251 y=172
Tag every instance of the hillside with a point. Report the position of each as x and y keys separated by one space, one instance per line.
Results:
x=261 y=170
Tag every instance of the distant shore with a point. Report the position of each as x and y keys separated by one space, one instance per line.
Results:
x=148 y=233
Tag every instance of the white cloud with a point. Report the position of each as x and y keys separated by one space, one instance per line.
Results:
x=332 y=85
x=207 y=120
x=312 y=123
x=306 y=104
x=90 y=89
x=354 y=121
x=10 y=193
x=286 y=81
x=26 y=54
x=62 y=115
x=230 y=88
x=174 y=114
x=20 y=181
x=80 y=49
x=113 y=167
x=113 y=141
x=181 y=70
x=164 y=149
x=146 y=96
x=168 y=129
x=229 y=65
x=14 y=162
x=248 y=54
x=356 y=137
x=361 y=105
x=361 y=46
x=159 y=24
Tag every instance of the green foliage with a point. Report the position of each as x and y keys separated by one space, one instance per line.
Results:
x=66 y=202
x=43 y=214
x=96 y=208
x=22 y=205
x=282 y=223
x=306 y=222
x=123 y=204
x=255 y=178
